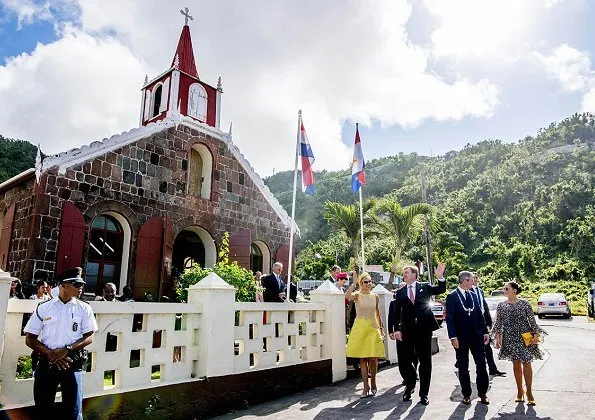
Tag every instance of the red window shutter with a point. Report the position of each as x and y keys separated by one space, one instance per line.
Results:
x=239 y=248
x=168 y=248
x=72 y=237
x=282 y=256
x=5 y=237
x=148 y=258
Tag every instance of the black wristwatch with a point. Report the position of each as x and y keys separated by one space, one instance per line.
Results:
x=68 y=348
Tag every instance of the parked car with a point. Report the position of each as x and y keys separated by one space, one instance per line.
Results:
x=553 y=304
x=498 y=292
x=493 y=302
x=439 y=310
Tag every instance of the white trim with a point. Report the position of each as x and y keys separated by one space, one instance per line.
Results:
x=73 y=157
x=152 y=106
x=207 y=169
x=207 y=241
x=266 y=256
x=17 y=177
x=174 y=89
x=164 y=96
x=218 y=109
x=203 y=100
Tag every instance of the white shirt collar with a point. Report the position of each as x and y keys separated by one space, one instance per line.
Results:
x=461 y=290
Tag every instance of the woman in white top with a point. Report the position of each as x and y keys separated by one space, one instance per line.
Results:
x=42 y=292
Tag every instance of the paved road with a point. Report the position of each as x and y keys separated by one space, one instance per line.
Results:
x=564 y=387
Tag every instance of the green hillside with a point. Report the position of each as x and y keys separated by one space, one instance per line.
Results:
x=16 y=156
x=524 y=210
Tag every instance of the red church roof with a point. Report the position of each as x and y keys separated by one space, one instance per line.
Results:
x=185 y=53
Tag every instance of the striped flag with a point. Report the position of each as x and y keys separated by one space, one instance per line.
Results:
x=358 y=177
x=307 y=161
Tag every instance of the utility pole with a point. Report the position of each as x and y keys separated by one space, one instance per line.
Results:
x=427 y=231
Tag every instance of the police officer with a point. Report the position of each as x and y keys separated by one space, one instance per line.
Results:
x=58 y=331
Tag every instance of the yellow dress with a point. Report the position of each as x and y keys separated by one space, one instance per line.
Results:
x=365 y=339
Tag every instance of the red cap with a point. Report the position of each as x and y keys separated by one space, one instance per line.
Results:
x=341 y=276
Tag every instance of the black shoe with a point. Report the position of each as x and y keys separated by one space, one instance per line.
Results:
x=484 y=399
x=407 y=394
x=424 y=400
x=466 y=401
x=497 y=373
x=404 y=382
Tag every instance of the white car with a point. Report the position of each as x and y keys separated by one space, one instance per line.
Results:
x=493 y=302
x=553 y=304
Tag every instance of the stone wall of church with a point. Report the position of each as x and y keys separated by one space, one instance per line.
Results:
x=21 y=195
x=148 y=178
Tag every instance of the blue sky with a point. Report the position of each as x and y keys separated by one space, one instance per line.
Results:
x=425 y=76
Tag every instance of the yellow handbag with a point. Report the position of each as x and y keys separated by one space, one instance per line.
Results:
x=528 y=337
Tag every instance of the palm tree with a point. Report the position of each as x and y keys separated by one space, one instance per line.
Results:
x=400 y=223
x=345 y=218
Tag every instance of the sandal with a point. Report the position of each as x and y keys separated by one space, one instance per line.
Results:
x=365 y=394
x=520 y=399
x=374 y=390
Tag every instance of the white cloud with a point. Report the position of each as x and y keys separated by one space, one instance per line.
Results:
x=352 y=62
x=492 y=29
x=551 y=3
x=572 y=69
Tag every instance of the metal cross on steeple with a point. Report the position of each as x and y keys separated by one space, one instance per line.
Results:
x=186 y=13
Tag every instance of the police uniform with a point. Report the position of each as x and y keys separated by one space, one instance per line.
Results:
x=59 y=325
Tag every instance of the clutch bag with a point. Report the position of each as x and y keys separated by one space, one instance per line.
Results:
x=528 y=337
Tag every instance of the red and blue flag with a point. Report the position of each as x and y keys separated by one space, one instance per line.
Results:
x=305 y=152
x=358 y=177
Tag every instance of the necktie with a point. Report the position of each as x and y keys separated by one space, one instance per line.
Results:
x=279 y=281
x=411 y=297
x=467 y=299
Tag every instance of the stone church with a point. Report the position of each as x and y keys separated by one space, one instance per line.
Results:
x=137 y=208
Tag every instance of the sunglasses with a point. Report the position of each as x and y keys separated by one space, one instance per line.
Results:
x=366 y=282
x=77 y=285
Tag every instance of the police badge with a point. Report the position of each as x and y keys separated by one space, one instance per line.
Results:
x=75 y=326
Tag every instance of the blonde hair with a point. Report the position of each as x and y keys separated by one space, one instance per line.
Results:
x=362 y=276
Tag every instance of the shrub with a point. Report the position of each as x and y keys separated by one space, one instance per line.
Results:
x=239 y=277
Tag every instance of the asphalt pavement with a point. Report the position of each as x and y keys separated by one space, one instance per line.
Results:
x=564 y=387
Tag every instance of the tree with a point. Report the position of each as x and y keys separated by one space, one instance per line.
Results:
x=400 y=223
x=345 y=218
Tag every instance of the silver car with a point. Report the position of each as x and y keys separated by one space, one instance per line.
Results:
x=493 y=302
x=553 y=304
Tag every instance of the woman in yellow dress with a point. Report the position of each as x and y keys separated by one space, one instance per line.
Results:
x=366 y=337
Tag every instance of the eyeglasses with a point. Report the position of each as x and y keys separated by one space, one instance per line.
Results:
x=366 y=282
x=77 y=285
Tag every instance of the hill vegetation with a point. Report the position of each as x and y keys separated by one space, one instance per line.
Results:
x=524 y=210
x=16 y=156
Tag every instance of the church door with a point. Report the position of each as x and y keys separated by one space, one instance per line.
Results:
x=239 y=248
x=148 y=258
x=72 y=237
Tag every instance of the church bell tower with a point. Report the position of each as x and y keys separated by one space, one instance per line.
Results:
x=179 y=90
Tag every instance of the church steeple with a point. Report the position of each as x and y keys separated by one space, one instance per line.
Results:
x=184 y=51
x=179 y=90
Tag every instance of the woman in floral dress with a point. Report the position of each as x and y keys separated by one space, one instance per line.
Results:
x=514 y=317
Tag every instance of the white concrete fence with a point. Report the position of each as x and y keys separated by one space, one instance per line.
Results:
x=145 y=345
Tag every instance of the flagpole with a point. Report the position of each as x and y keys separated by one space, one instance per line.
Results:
x=361 y=221
x=291 y=230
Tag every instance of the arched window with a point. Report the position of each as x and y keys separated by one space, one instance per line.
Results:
x=157 y=100
x=105 y=254
x=199 y=171
x=197 y=102
x=256 y=258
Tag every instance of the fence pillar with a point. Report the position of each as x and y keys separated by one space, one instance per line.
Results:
x=5 y=281
x=334 y=326
x=386 y=297
x=217 y=325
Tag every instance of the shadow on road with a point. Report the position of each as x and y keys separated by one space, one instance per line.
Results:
x=390 y=402
x=520 y=413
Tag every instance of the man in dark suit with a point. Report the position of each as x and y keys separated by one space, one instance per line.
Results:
x=492 y=368
x=275 y=286
x=468 y=332
x=411 y=322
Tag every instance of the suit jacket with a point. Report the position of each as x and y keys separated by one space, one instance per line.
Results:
x=414 y=318
x=468 y=328
x=486 y=311
x=272 y=289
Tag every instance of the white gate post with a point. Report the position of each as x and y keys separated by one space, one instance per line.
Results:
x=217 y=325
x=334 y=322
x=390 y=346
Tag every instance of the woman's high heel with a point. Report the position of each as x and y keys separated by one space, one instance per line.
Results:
x=531 y=402
x=365 y=394
x=520 y=399
x=374 y=390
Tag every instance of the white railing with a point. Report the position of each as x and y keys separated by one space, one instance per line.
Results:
x=143 y=345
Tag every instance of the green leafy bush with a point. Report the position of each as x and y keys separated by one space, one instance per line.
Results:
x=239 y=277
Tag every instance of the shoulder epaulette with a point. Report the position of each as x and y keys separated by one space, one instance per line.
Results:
x=37 y=309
